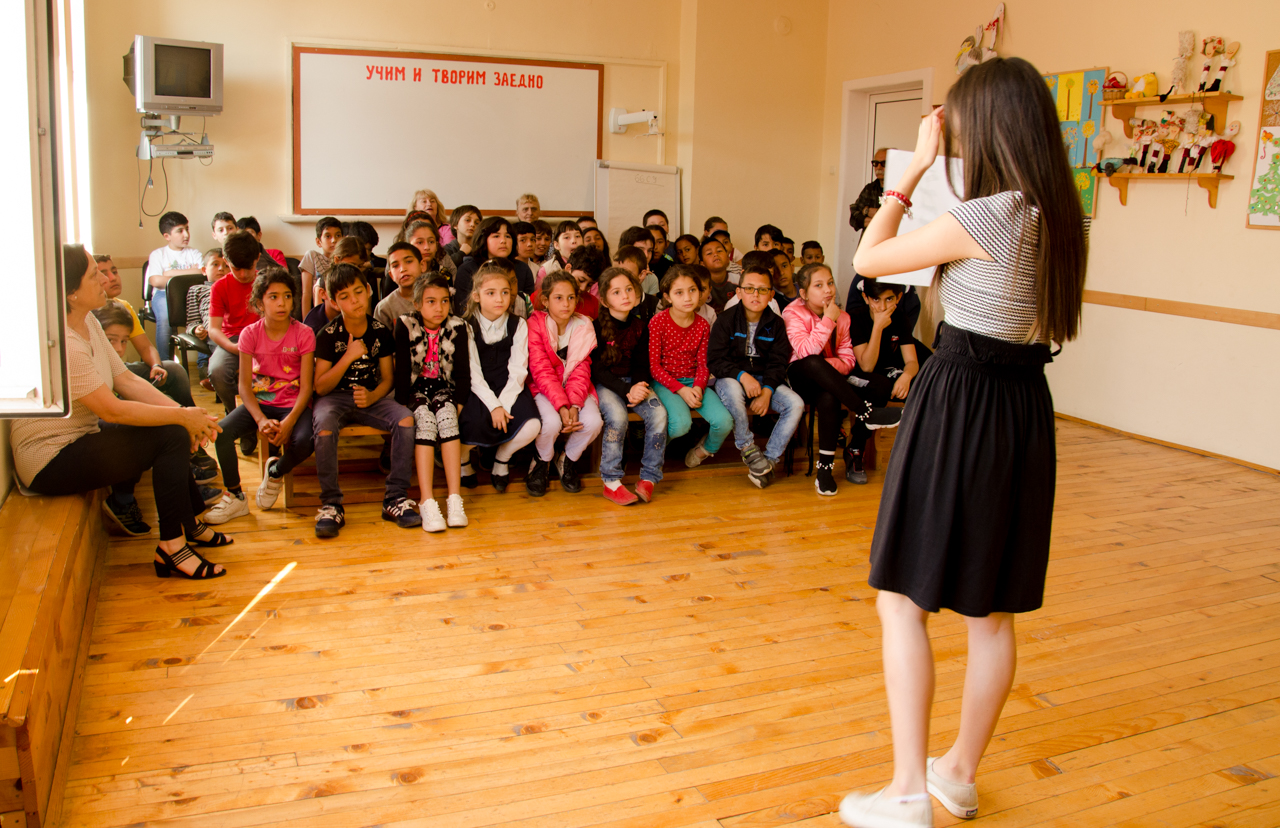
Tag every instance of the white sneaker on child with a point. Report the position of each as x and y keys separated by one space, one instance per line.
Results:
x=432 y=520
x=457 y=515
x=230 y=506
x=878 y=811
x=269 y=488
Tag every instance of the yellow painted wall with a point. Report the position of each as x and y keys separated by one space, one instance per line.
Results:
x=1208 y=385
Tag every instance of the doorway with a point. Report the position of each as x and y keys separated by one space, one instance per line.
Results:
x=881 y=111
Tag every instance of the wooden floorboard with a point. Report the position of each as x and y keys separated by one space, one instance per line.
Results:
x=709 y=660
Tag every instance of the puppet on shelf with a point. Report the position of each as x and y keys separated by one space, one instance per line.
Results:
x=1186 y=48
x=1143 y=133
x=1228 y=60
x=1144 y=87
x=1211 y=47
x=1222 y=148
x=1204 y=140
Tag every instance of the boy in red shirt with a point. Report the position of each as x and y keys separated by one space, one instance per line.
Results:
x=229 y=314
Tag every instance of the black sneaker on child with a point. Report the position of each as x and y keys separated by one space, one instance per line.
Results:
x=854 y=471
x=571 y=475
x=210 y=494
x=203 y=467
x=883 y=418
x=536 y=481
x=329 y=521
x=403 y=511
x=824 y=475
x=759 y=469
x=127 y=519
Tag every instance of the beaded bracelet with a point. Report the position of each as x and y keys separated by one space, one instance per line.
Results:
x=898 y=197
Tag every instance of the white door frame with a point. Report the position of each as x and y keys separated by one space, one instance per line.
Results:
x=854 y=151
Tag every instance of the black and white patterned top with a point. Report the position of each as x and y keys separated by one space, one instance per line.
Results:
x=995 y=298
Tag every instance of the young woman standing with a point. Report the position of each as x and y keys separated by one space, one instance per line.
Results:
x=968 y=499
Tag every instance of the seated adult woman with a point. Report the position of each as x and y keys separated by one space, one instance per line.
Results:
x=111 y=440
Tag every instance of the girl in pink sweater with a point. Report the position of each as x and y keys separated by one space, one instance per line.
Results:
x=560 y=345
x=821 y=359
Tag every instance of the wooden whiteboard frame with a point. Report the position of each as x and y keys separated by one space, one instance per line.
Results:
x=298 y=51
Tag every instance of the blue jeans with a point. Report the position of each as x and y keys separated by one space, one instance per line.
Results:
x=338 y=408
x=784 y=402
x=240 y=423
x=160 y=307
x=680 y=420
x=613 y=410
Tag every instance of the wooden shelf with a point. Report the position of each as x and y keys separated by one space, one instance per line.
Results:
x=1207 y=181
x=1215 y=103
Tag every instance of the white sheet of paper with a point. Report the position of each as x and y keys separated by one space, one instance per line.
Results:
x=932 y=198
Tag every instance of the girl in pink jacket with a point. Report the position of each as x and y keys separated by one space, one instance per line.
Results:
x=821 y=359
x=560 y=345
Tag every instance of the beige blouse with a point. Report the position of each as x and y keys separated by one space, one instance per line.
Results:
x=91 y=363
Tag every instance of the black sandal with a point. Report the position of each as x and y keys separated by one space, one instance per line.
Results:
x=217 y=540
x=170 y=565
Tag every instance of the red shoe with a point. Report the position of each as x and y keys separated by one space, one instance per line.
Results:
x=644 y=490
x=620 y=496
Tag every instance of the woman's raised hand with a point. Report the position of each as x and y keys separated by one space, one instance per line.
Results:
x=928 y=140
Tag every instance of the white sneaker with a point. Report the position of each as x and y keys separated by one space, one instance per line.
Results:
x=269 y=488
x=457 y=515
x=432 y=520
x=876 y=811
x=230 y=506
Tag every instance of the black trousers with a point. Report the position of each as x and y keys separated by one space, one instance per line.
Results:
x=827 y=391
x=117 y=456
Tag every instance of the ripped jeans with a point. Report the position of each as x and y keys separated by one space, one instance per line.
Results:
x=613 y=410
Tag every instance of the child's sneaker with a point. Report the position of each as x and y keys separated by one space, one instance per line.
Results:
x=619 y=495
x=571 y=475
x=329 y=521
x=697 y=454
x=759 y=469
x=203 y=467
x=402 y=512
x=230 y=506
x=457 y=515
x=127 y=519
x=432 y=520
x=824 y=475
x=878 y=811
x=957 y=797
x=644 y=490
x=883 y=418
x=210 y=494
x=269 y=488
x=854 y=471
x=535 y=483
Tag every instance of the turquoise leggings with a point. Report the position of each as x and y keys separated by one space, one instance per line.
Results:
x=679 y=420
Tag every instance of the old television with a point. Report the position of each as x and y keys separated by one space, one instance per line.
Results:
x=174 y=77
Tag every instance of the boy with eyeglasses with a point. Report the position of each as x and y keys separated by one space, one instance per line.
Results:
x=748 y=353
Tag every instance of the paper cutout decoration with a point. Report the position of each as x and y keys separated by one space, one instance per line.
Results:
x=1264 y=187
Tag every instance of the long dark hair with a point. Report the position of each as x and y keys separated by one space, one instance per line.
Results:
x=490 y=227
x=611 y=353
x=1009 y=134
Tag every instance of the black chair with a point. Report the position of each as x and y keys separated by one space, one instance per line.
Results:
x=180 y=340
x=144 y=312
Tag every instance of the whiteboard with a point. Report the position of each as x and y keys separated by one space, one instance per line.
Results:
x=476 y=130
x=626 y=191
x=932 y=198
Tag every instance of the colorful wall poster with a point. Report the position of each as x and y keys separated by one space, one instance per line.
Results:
x=1078 y=96
x=1264 y=187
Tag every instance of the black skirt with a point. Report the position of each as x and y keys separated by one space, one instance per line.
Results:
x=968 y=496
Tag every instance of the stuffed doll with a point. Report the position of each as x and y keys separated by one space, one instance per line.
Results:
x=1211 y=48
x=1228 y=60
x=1204 y=140
x=1144 y=87
x=1222 y=148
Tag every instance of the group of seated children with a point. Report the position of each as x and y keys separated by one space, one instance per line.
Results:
x=553 y=342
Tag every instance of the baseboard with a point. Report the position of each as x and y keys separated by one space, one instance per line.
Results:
x=1146 y=439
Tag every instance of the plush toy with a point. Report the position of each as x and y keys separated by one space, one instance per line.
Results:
x=1211 y=47
x=1186 y=48
x=1228 y=60
x=1222 y=148
x=1100 y=142
x=1144 y=87
x=1204 y=140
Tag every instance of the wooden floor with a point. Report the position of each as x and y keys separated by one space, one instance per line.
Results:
x=710 y=660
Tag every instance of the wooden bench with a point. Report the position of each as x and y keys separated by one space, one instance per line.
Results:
x=51 y=549
x=290 y=498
